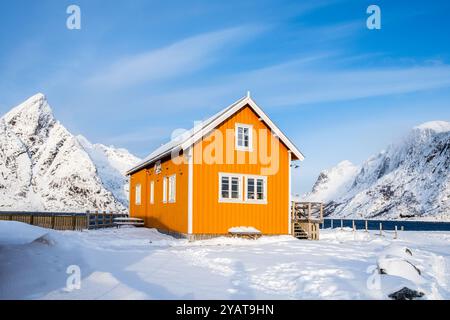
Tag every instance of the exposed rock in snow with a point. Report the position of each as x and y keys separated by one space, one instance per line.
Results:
x=406 y=294
x=44 y=167
x=408 y=179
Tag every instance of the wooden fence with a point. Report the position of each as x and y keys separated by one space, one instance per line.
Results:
x=64 y=220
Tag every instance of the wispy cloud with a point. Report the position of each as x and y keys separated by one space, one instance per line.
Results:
x=310 y=81
x=177 y=59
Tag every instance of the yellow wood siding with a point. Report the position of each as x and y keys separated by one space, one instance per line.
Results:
x=213 y=217
x=164 y=216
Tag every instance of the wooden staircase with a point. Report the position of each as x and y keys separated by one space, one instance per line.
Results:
x=306 y=218
x=299 y=233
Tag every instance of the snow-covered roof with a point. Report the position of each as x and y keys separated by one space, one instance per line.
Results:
x=190 y=137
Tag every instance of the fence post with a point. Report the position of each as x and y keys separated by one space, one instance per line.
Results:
x=366 y=225
x=53 y=221
x=353 y=225
x=332 y=224
x=381 y=229
x=88 y=219
x=96 y=219
x=74 y=222
x=342 y=224
x=402 y=228
x=395 y=234
x=104 y=219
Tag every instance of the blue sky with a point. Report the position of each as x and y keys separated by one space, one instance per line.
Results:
x=137 y=70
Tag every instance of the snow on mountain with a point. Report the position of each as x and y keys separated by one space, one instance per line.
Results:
x=111 y=164
x=408 y=179
x=332 y=183
x=44 y=167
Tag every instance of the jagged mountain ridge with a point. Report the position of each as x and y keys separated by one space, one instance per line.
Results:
x=44 y=167
x=409 y=179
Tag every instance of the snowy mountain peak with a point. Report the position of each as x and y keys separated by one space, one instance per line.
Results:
x=436 y=126
x=344 y=165
x=44 y=167
x=34 y=117
x=409 y=178
x=332 y=182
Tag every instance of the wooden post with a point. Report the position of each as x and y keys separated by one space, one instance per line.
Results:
x=96 y=219
x=32 y=219
x=353 y=225
x=310 y=236
x=366 y=226
x=53 y=221
x=74 y=222
x=331 y=223
x=88 y=219
x=402 y=228
x=321 y=211
x=395 y=234
x=293 y=210
x=309 y=211
x=342 y=224
x=381 y=229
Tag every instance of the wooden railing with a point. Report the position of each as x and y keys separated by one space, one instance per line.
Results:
x=64 y=220
x=306 y=218
x=307 y=211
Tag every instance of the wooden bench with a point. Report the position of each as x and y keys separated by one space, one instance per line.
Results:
x=246 y=234
x=125 y=221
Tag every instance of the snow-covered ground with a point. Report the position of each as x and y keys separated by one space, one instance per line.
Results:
x=139 y=263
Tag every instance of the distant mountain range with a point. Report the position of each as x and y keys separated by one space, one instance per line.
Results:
x=410 y=179
x=44 y=167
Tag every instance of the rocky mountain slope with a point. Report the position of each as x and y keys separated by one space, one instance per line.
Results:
x=408 y=179
x=44 y=167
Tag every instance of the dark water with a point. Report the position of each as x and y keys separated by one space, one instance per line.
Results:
x=389 y=224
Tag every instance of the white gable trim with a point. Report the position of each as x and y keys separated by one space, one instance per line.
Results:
x=211 y=126
x=214 y=123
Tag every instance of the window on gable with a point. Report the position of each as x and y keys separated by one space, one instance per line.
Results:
x=244 y=137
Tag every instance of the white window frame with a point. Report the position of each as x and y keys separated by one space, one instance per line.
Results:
x=172 y=188
x=255 y=200
x=243 y=188
x=250 y=137
x=152 y=192
x=137 y=194
x=164 y=187
x=230 y=176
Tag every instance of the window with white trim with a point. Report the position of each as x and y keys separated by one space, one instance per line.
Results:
x=164 y=189
x=256 y=188
x=137 y=194
x=244 y=137
x=242 y=188
x=152 y=192
x=172 y=188
x=230 y=187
